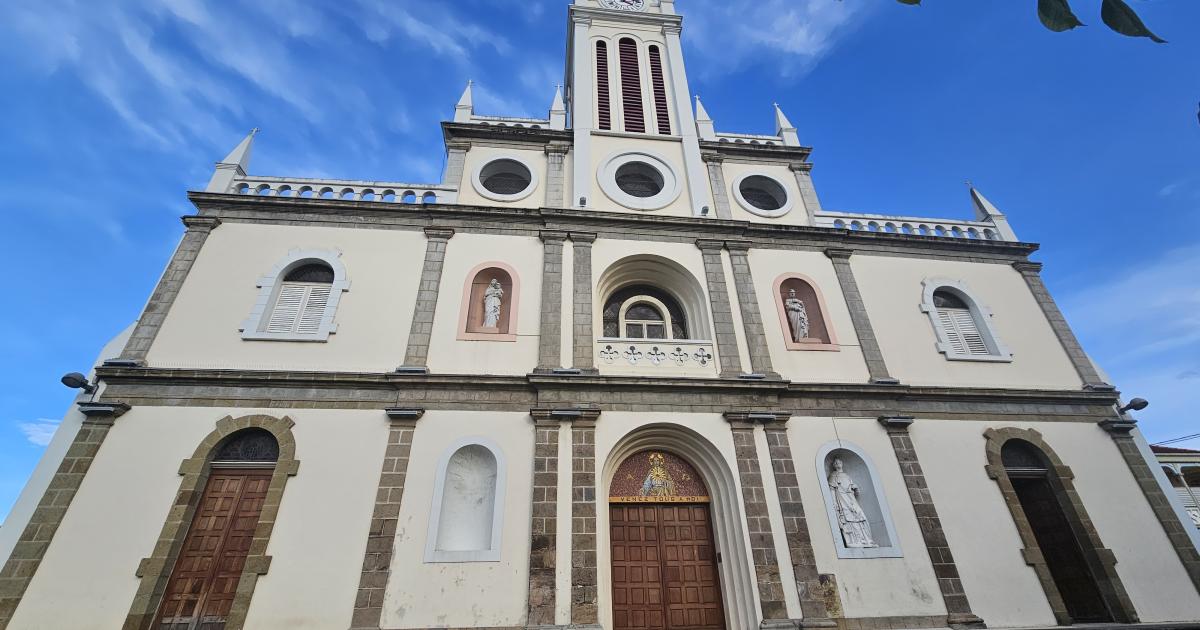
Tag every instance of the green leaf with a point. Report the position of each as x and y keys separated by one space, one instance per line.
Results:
x=1056 y=15
x=1122 y=19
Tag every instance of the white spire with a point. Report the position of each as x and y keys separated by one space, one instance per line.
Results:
x=785 y=129
x=466 y=105
x=704 y=124
x=234 y=165
x=986 y=211
x=558 y=111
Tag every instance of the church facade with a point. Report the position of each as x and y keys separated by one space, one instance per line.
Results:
x=616 y=370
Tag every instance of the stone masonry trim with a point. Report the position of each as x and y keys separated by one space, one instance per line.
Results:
x=550 y=335
x=867 y=341
x=1031 y=272
x=743 y=280
x=758 y=522
x=543 y=525
x=582 y=332
x=722 y=310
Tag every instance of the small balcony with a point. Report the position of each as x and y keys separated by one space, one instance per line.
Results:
x=657 y=357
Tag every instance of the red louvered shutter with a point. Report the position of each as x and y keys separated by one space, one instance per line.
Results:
x=660 y=92
x=603 y=100
x=631 y=87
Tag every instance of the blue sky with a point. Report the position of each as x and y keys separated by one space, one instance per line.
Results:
x=1088 y=140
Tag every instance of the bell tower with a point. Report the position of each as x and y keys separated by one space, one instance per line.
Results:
x=627 y=87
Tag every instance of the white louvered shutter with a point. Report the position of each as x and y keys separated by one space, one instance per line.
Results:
x=299 y=308
x=314 y=310
x=962 y=333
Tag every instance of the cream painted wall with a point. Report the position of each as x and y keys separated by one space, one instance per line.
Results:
x=476 y=594
x=479 y=156
x=317 y=544
x=383 y=266
x=891 y=288
x=1002 y=588
x=844 y=366
x=872 y=587
x=780 y=173
x=450 y=355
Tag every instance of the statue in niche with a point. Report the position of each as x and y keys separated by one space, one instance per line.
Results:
x=659 y=482
x=856 y=531
x=797 y=316
x=493 y=300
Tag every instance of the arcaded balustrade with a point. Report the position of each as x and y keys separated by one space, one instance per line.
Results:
x=344 y=189
x=511 y=121
x=746 y=138
x=948 y=228
x=659 y=357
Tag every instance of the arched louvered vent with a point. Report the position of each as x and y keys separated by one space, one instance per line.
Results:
x=603 y=100
x=660 y=92
x=631 y=87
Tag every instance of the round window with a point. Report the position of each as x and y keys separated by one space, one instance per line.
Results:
x=639 y=179
x=763 y=196
x=505 y=179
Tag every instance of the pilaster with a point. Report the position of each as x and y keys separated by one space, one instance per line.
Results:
x=1032 y=273
x=808 y=192
x=456 y=162
x=556 y=156
x=582 y=109
x=169 y=285
x=543 y=525
x=958 y=607
x=416 y=357
x=743 y=279
x=583 y=334
x=550 y=335
x=585 y=602
x=682 y=98
x=381 y=537
x=716 y=179
x=858 y=314
x=722 y=311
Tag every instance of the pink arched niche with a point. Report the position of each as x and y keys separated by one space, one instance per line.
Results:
x=470 y=318
x=820 y=336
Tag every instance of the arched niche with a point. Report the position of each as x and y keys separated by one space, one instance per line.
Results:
x=729 y=534
x=860 y=518
x=820 y=335
x=662 y=275
x=468 y=501
x=473 y=313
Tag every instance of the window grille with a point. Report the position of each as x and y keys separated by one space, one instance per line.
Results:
x=660 y=92
x=631 y=87
x=603 y=99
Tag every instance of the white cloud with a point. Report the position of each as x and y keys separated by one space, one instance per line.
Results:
x=39 y=432
x=789 y=35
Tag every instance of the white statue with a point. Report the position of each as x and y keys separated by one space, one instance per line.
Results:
x=856 y=531
x=492 y=302
x=797 y=316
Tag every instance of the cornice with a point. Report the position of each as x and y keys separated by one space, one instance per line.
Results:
x=591 y=15
x=459 y=133
x=772 y=152
x=232 y=208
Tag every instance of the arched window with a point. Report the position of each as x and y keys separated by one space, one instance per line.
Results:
x=631 y=86
x=963 y=327
x=802 y=316
x=603 y=97
x=644 y=312
x=468 y=498
x=660 y=92
x=298 y=299
x=490 y=301
x=855 y=503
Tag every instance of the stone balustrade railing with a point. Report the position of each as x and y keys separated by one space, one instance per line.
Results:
x=660 y=357
x=344 y=189
x=747 y=138
x=948 y=228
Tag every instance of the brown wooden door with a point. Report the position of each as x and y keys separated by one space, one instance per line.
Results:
x=203 y=584
x=1064 y=558
x=664 y=571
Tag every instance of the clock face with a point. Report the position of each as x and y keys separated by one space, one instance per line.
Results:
x=625 y=5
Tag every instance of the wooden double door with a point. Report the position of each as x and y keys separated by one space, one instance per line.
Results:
x=664 y=567
x=202 y=586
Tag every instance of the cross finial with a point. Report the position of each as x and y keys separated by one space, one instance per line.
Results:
x=970 y=184
x=255 y=131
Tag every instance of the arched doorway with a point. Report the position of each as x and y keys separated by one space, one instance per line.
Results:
x=204 y=581
x=663 y=554
x=1032 y=479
